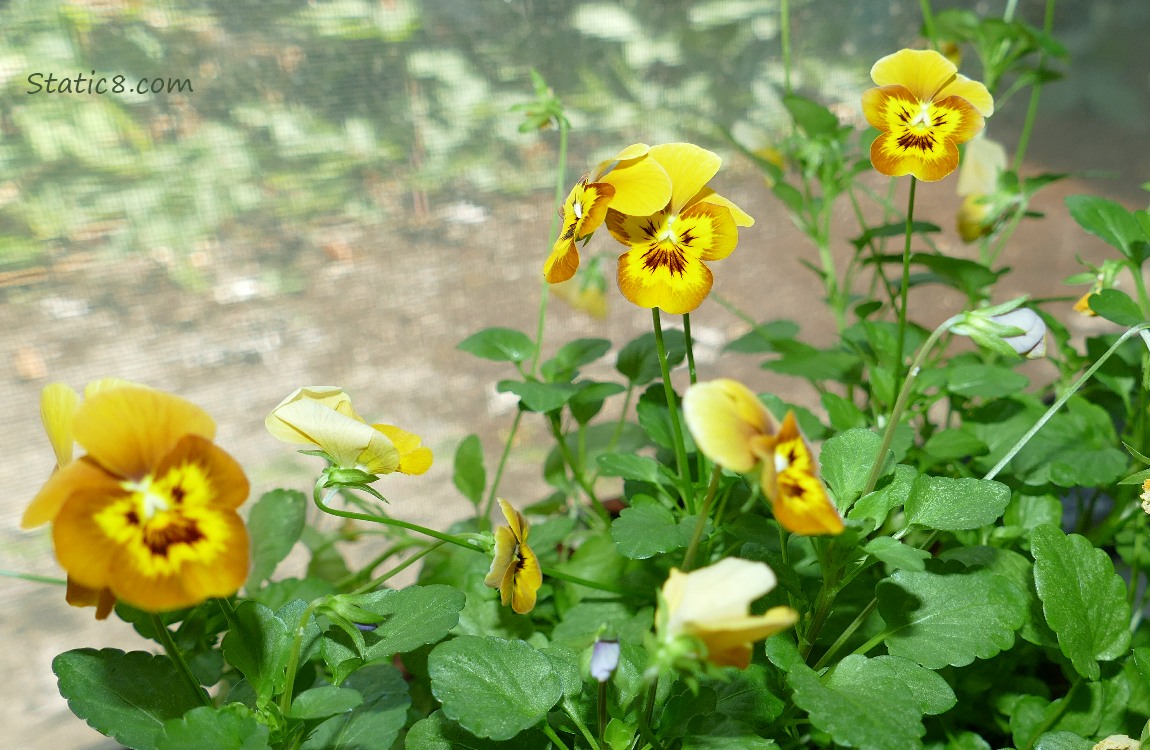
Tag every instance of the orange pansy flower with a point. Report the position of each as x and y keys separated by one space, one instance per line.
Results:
x=514 y=569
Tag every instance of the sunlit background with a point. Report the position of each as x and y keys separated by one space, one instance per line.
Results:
x=338 y=193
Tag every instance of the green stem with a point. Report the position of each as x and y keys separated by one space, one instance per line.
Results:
x=560 y=196
x=904 y=287
x=601 y=710
x=1022 y=441
x=846 y=634
x=579 y=724
x=690 y=348
x=701 y=521
x=823 y=601
x=552 y=573
x=648 y=712
x=576 y=469
x=687 y=487
x=495 y=482
x=547 y=730
x=322 y=505
x=903 y=397
x=928 y=24
x=785 y=24
x=294 y=654
x=1035 y=92
x=33 y=577
x=177 y=658
x=375 y=583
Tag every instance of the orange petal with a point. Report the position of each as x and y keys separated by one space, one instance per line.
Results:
x=923 y=72
x=889 y=158
x=81 y=475
x=128 y=430
x=802 y=506
x=81 y=596
x=228 y=485
x=563 y=261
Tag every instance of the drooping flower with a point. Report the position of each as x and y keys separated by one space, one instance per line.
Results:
x=924 y=109
x=515 y=569
x=733 y=428
x=322 y=416
x=665 y=265
x=148 y=515
x=712 y=604
x=629 y=182
x=982 y=164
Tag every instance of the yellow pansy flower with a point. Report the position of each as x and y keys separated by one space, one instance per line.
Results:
x=322 y=416
x=515 y=569
x=629 y=182
x=665 y=266
x=924 y=109
x=733 y=428
x=712 y=604
x=148 y=515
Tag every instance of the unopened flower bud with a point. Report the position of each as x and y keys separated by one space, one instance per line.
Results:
x=1008 y=328
x=604 y=659
x=1031 y=343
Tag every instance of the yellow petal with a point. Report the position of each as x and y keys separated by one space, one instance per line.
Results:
x=563 y=261
x=791 y=450
x=58 y=406
x=923 y=72
x=802 y=506
x=380 y=455
x=723 y=417
x=690 y=168
x=917 y=138
x=632 y=153
x=413 y=457
x=504 y=556
x=229 y=485
x=664 y=279
x=106 y=384
x=129 y=430
x=972 y=91
x=729 y=642
x=525 y=582
x=741 y=217
x=81 y=596
x=642 y=185
x=76 y=476
x=519 y=526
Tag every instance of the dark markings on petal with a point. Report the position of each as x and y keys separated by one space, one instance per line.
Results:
x=178 y=494
x=903 y=114
x=158 y=538
x=923 y=142
x=132 y=518
x=667 y=257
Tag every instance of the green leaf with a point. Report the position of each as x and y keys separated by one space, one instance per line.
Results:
x=939 y=619
x=257 y=645
x=586 y=621
x=863 y=704
x=877 y=505
x=499 y=345
x=1019 y=571
x=896 y=554
x=232 y=727
x=846 y=461
x=1117 y=307
x=1111 y=222
x=573 y=355
x=275 y=524
x=719 y=732
x=987 y=381
x=493 y=687
x=324 y=701
x=126 y=696
x=538 y=397
x=631 y=466
x=951 y=444
x=805 y=361
x=1083 y=598
x=376 y=722
x=638 y=361
x=949 y=504
x=967 y=276
x=655 y=418
x=812 y=117
x=470 y=475
x=1063 y=741
x=649 y=529
x=1076 y=448
x=588 y=400
x=896 y=229
x=843 y=414
x=437 y=732
x=763 y=336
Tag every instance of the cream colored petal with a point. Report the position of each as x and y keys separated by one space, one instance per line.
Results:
x=329 y=396
x=720 y=592
x=982 y=162
x=690 y=168
x=310 y=422
x=380 y=456
x=724 y=634
x=58 y=406
x=924 y=72
x=503 y=558
x=724 y=416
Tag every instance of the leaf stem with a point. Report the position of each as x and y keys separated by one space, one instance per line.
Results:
x=322 y=505
x=498 y=478
x=701 y=521
x=177 y=658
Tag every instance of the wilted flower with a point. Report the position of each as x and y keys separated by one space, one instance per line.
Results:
x=924 y=109
x=148 y=515
x=1007 y=328
x=515 y=569
x=629 y=182
x=665 y=266
x=1118 y=742
x=982 y=164
x=604 y=659
x=712 y=605
x=322 y=416
x=733 y=428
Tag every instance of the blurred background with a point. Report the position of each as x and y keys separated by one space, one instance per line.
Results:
x=337 y=192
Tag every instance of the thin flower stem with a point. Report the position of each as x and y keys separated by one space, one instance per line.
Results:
x=601 y=710
x=901 y=400
x=498 y=478
x=560 y=185
x=928 y=24
x=1058 y=404
x=686 y=487
x=577 y=470
x=33 y=577
x=785 y=24
x=569 y=709
x=690 y=348
x=904 y=286
x=648 y=712
x=701 y=521
x=845 y=635
x=547 y=730
x=375 y=583
x=294 y=654
x=322 y=505
x=177 y=657
x=552 y=573
x=1035 y=92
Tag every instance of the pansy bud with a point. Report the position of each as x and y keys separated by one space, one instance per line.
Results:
x=604 y=659
x=1008 y=328
x=1031 y=343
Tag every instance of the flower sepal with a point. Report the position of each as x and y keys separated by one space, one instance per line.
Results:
x=1008 y=329
x=352 y=479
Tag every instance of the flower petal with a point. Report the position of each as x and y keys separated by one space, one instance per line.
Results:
x=82 y=596
x=228 y=484
x=723 y=417
x=721 y=592
x=340 y=436
x=972 y=91
x=690 y=168
x=741 y=217
x=641 y=184
x=128 y=430
x=983 y=161
x=525 y=582
x=58 y=406
x=515 y=521
x=563 y=261
x=414 y=458
x=503 y=557
x=923 y=72
x=329 y=396
x=75 y=477
x=667 y=280
x=890 y=158
x=729 y=643
x=802 y=506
